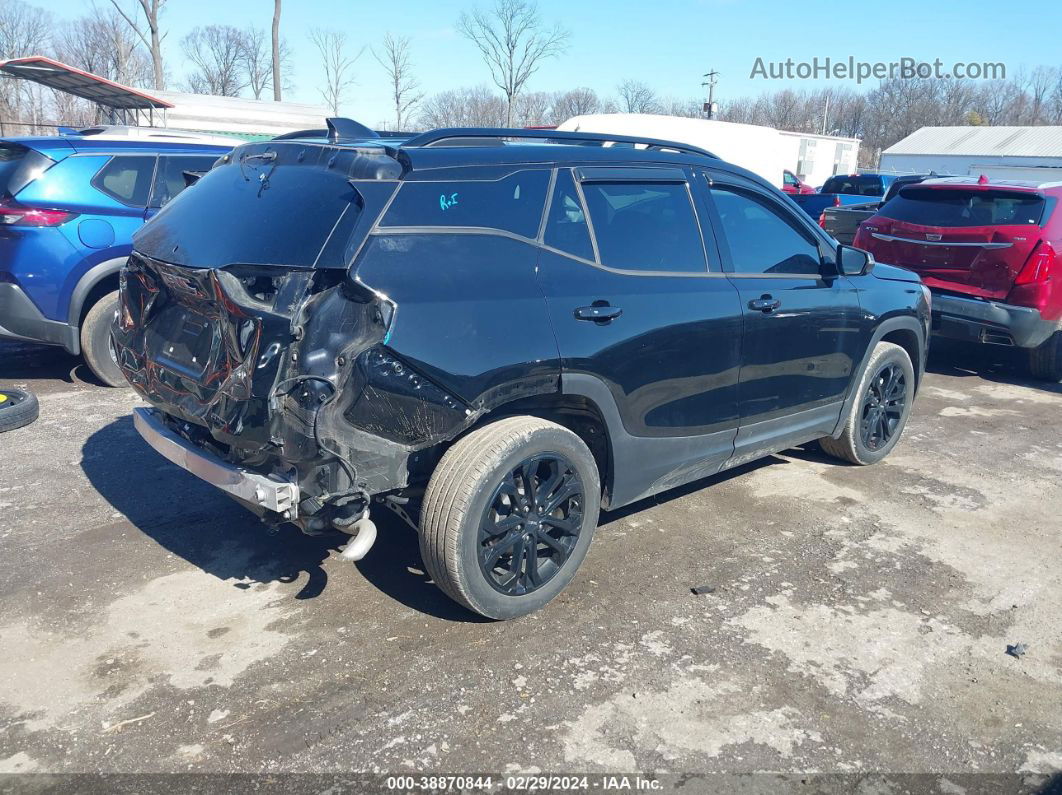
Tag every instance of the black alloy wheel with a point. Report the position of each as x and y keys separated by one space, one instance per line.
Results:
x=531 y=524
x=883 y=406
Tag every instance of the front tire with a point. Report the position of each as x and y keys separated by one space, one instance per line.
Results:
x=509 y=514
x=879 y=413
x=96 y=346
x=1045 y=361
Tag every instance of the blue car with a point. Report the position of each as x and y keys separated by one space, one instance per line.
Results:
x=69 y=206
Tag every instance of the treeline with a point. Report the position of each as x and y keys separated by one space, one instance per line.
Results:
x=230 y=61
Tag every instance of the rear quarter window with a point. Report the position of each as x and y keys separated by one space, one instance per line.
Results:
x=127 y=178
x=944 y=207
x=511 y=204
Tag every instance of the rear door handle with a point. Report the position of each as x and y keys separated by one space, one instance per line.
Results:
x=764 y=304
x=599 y=313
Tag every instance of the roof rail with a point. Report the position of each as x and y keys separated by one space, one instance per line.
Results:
x=456 y=134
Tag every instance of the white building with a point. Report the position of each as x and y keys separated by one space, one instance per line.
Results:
x=1033 y=153
x=248 y=118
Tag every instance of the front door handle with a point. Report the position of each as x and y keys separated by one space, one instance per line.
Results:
x=600 y=313
x=765 y=304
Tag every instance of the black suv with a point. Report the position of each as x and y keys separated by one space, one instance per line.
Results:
x=496 y=333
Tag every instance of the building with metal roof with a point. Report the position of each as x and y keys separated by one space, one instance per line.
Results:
x=1033 y=153
x=169 y=110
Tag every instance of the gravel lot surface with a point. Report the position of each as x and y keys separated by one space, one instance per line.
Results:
x=860 y=618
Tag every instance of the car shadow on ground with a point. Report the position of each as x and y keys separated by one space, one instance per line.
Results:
x=995 y=363
x=42 y=365
x=195 y=521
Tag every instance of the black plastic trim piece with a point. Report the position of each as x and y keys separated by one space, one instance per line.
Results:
x=21 y=320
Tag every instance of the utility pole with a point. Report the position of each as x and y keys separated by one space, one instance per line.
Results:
x=709 y=106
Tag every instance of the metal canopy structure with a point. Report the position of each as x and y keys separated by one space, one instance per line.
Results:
x=121 y=103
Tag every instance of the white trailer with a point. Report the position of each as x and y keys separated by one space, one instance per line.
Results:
x=762 y=150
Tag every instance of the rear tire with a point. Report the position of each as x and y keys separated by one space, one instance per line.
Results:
x=1045 y=361
x=96 y=345
x=879 y=413
x=488 y=536
x=18 y=407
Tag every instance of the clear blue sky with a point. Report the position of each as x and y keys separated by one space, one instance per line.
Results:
x=667 y=44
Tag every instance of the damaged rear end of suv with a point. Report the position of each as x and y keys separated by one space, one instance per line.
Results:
x=262 y=352
x=495 y=333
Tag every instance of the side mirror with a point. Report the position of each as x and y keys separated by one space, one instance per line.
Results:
x=854 y=261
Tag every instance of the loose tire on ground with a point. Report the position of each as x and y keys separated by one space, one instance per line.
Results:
x=18 y=408
x=474 y=477
x=96 y=345
x=1045 y=361
x=851 y=445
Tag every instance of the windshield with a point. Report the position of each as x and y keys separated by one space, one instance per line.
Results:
x=944 y=207
x=856 y=186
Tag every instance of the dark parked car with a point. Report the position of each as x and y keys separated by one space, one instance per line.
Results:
x=989 y=251
x=841 y=222
x=69 y=205
x=496 y=340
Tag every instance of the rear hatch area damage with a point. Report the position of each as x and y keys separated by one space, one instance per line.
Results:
x=241 y=324
x=282 y=372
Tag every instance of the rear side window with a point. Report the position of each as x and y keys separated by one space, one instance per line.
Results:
x=857 y=186
x=513 y=204
x=566 y=228
x=169 y=179
x=760 y=238
x=945 y=207
x=127 y=178
x=19 y=166
x=645 y=226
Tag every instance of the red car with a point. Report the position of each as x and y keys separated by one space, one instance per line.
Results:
x=791 y=183
x=989 y=252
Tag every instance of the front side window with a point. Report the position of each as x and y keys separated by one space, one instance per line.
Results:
x=512 y=204
x=170 y=180
x=127 y=178
x=761 y=240
x=645 y=226
x=566 y=227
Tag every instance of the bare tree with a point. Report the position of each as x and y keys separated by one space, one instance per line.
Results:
x=532 y=108
x=464 y=107
x=152 y=38
x=394 y=57
x=217 y=51
x=636 y=97
x=513 y=43
x=338 y=65
x=24 y=30
x=103 y=44
x=576 y=102
x=276 y=51
x=256 y=60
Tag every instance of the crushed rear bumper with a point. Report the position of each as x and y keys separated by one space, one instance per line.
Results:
x=256 y=490
x=992 y=322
